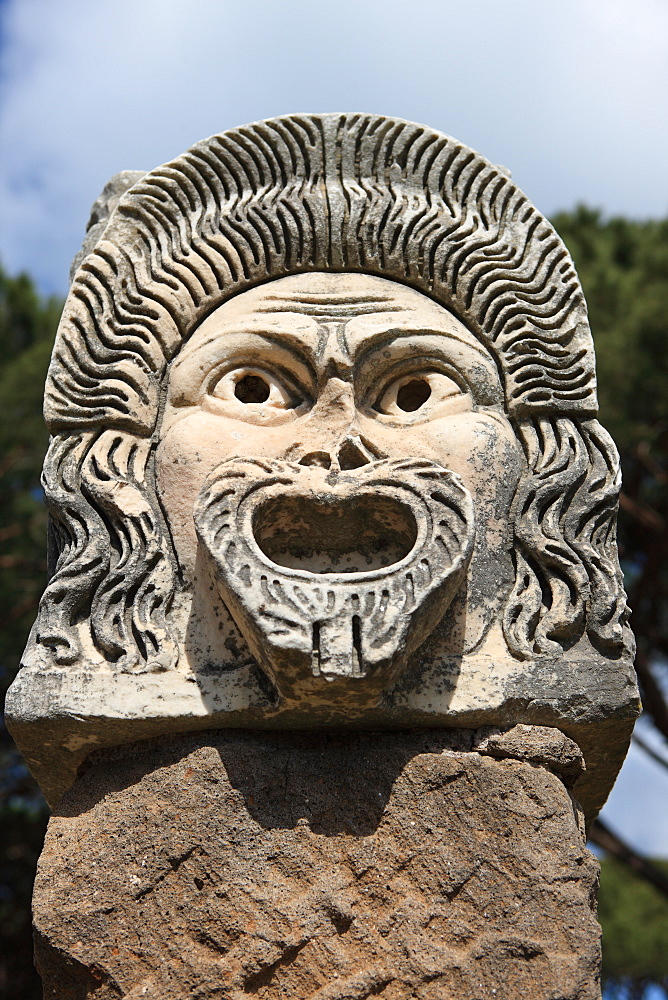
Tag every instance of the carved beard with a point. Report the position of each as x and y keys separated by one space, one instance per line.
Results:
x=335 y=576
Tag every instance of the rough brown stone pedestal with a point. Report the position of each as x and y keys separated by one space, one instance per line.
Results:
x=320 y=866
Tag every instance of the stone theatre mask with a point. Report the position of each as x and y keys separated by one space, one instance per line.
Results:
x=356 y=399
x=324 y=449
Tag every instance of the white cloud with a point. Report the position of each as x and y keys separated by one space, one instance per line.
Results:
x=568 y=95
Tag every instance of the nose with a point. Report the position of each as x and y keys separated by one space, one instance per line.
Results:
x=332 y=439
x=350 y=453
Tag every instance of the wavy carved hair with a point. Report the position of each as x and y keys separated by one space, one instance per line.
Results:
x=310 y=193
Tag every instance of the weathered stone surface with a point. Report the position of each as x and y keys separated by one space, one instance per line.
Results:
x=102 y=210
x=333 y=576
x=328 y=297
x=324 y=458
x=343 y=866
x=536 y=745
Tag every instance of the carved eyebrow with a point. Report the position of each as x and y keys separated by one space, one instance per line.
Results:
x=190 y=371
x=470 y=358
x=282 y=336
x=366 y=343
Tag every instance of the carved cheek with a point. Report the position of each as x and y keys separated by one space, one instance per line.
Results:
x=479 y=446
x=189 y=450
x=494 y=466
x=179 y=466
x=485 y=452
x=482 y=448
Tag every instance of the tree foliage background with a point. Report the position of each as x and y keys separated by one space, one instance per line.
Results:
x=623 y=265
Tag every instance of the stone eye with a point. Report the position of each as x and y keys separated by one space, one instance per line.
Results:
x=411 y=392
x=252 y=389
x=246 y=386
x=411 y=395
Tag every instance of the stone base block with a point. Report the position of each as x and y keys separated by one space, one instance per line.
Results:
x=336 y=867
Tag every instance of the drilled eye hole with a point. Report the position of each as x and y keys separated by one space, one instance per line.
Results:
x=260 y=391
x=413 y=394
x=252 y=389
x=410 y=393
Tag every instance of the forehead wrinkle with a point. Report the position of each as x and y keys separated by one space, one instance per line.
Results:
x=331 y=296
x=331 y=307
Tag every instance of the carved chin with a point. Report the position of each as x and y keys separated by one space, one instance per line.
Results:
x=334 y=578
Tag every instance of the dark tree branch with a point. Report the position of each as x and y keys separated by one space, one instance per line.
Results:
x=20 y=609
x=650 y=751
x=603 y=837
x=644 y=453
x=642 y=513
x=652 y=697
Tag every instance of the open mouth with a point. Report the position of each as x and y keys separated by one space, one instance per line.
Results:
x=335 y=576
x=330 y=534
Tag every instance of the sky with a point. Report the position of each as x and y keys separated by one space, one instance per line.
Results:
x=570 y=95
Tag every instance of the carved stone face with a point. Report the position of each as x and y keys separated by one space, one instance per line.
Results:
x=376 y=426
x=328 y=479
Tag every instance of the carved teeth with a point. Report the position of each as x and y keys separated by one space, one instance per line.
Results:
x=337 y=647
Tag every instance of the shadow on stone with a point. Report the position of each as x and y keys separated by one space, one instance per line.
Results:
x=335 y=782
